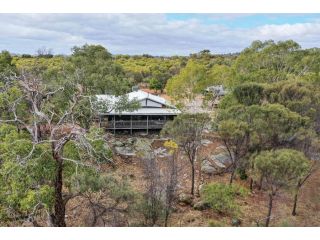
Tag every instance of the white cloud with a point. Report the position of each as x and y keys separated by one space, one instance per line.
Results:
x=140 y=33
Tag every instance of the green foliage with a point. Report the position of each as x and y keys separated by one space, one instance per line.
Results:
x=25 y=184
x=188 y=79
x=221 y=197
x=215 y=223
x=249 y=93
x=186 y=127
x=280 y=168
x=152 y=210
x=6 y=63
x=98 y=72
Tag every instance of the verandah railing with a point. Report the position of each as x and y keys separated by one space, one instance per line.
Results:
x=135 y=124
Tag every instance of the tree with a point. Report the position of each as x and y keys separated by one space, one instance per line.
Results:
x=235 y=137
x=152 y=206
x=300 y=181
x=171 y=171
x=55 y=128
x=268 y=61
x=280 y=169
x=6 y=62
x=97 y=72
x=44 y=53
x=188 y=79
x=155 y=84
x=187 y=130
x=249 y=93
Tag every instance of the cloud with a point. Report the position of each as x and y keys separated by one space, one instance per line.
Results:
x=143 y=33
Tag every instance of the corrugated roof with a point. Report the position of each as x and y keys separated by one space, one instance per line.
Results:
x=149 y=111
x=135 y=95
x=139 y=96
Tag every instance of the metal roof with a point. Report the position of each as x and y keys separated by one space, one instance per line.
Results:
x=139 y=96
x=148 y=111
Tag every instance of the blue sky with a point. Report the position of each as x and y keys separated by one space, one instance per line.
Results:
x=156 y=34
x=246 y=20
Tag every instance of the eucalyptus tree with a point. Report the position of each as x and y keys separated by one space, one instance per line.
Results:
x=280 y=169
x=187 y=130
x=48 y=118
x=97 y=71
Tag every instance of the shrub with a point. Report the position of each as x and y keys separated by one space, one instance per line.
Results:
x=221 y=197
x=214 y=223
x=249 y=93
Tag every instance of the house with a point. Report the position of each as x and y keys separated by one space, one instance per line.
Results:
x=217 y=92
x=153 y=113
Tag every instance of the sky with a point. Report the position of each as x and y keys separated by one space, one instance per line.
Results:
x=155 y=34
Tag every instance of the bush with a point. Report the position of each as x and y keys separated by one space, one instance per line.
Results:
x=249 y=93
x=152 y=210
x=214 y=223
x=221 y=197
x=242 y=174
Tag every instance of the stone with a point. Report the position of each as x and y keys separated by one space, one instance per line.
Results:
x=185 y=199
x=125 y=151
x=130 y=141
x=206 y=167
x=161 y=152
x=205 y=142
x=201 y=205
x=118 y=144
x=235 y=222
x=222 y=159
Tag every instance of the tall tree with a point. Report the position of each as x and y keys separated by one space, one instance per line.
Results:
x=98 y=72
x=56 y=127
x=187 y=130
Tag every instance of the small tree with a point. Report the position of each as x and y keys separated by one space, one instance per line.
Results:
x=187 y=130
x=280 y=169
x=300 y=181
x=235 y=137
x=170 y=180
x=152 y=206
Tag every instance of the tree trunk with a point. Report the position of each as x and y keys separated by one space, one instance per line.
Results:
x=251 y=184
x=260 y=183
x=232 y=176
x=192 y=179
x=59 y=206
x=294 y=210
x=270 y=209
x=166 y=218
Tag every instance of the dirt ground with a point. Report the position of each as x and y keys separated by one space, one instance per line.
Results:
x=253 y=207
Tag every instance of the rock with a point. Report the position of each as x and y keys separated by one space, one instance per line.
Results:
x=235 y=222
x=205 y=142
x=143 y=146
x=130 y=141
x=118 y=144
x=206 y=167
x=201 y=205
x=125 y=151
x=161 y=152
x=222 y=160
x=185 y=199
x=27 y=224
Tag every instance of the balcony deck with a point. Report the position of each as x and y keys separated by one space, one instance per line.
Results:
x=135 y=124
